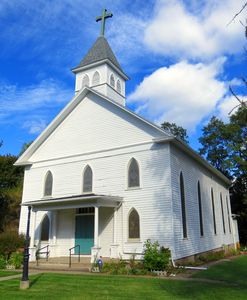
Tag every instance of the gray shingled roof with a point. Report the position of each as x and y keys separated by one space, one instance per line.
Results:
x=99 y=51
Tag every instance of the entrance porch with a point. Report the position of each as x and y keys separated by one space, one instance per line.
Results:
x=85 y=224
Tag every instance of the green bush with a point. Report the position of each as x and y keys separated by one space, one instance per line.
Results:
x=155 y=257
x=3 y=262
x=10 y=242
x=115 y=267
x=16 y=259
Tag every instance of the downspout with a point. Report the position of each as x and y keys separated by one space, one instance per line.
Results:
x=187 y=267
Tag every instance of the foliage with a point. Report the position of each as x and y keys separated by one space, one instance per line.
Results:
x=11 y=178
x=3 y=262
x=16 y=259
x=176 y=130
x=24 y=147
x=155 y=257
x=125 y=267
x=224 y=146
x=10 y=242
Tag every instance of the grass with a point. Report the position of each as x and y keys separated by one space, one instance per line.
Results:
x=234 y=271
x=4 y=273
x=101 y=287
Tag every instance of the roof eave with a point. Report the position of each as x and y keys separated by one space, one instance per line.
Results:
x=182 y=145
x=97 y=63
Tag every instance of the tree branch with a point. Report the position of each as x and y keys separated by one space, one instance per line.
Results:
x=243 y=7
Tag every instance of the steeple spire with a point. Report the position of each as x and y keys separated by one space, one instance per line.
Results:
x=102 y=18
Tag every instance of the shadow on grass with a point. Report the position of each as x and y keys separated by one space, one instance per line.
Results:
x=36 y=279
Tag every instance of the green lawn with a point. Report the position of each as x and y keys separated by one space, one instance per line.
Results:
x=95 y=287
x=234 y=271
x=4 y=273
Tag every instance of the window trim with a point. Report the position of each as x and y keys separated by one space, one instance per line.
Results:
x=183 y=206
x=49 y=228
x=83 y=76
x=83 y=176
x=213 y=211
x=138 y=239
x=96 y=71
x=44 y=185
x=222 y=214
x=137 y=187
x=199 y=198
x=120 y=85
x=112 y=76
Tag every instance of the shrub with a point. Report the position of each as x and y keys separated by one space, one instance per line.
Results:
x=3 y=262
x=10 y=242
x=115 y=267
x=155 y=257
x=16 y=259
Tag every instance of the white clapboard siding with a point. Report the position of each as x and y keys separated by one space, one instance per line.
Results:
x=94 y=125
x=192 y=172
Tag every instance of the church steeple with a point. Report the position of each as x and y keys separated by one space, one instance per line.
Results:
x=100 y=68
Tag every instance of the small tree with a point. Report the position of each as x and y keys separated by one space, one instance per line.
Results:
x=155 y=257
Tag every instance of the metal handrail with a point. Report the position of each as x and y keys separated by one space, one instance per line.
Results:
x=73 y=248
x=38 y=252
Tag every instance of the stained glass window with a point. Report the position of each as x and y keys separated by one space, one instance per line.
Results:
x=133 y=174
x=87 y=180
x=48 y=184
x=134 y=225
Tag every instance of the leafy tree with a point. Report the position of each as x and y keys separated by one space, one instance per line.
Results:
x=224 y=146
x=11 y=178
x=24 y=147
x=177 y=131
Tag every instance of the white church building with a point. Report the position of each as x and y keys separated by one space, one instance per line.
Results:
x=102 y=179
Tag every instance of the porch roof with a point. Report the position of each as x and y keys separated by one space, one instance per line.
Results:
x=74 y=201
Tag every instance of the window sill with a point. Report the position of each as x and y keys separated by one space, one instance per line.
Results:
x=133 y=188
x=133 y=241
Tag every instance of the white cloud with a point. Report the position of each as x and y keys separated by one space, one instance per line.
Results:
x=32 y=106
x=35 y=126
x=184 y=93
x=177 y=31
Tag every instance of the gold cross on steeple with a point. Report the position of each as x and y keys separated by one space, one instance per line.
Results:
x=102 y=18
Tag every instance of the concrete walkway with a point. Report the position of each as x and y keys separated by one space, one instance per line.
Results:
x=4 y=278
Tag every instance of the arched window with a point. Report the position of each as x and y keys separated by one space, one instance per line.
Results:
x=183 y=208
x=96 y=78
x=112 y=81
x=48 y=184
x=134 y=225
x=222 y=212
x=200 y=207
x=45 y=228
x=133 y=174
x=87 y=180
x=228 y=214
x=118 y=86
x=85 y=81
x=213 y=210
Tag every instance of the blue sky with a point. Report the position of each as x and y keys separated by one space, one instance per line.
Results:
x=180 y=55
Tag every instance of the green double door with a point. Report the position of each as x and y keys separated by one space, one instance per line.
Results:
x=84 y=233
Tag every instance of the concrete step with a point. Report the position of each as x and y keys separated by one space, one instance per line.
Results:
x=60 y=267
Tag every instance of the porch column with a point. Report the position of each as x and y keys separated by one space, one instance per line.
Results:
x=96 y=226
x=115 y=226
x=32 y=240
x=54 y=227
x=114 y=246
